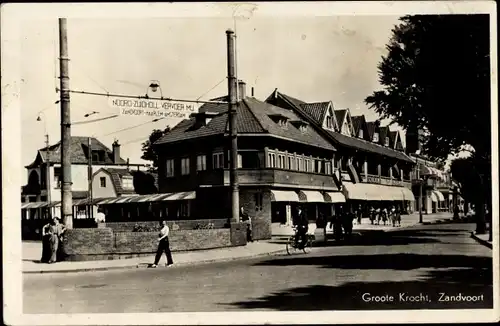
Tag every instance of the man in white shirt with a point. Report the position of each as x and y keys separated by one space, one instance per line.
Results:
x=100 y=216
x=163 y=246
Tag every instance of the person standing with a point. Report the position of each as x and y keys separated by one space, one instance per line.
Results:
x=56 y=231
x=248 y=221
x=302 y=227
x=46 y=252
x=163 y=246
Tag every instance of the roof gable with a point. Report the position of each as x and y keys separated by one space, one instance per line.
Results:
x=316 y=110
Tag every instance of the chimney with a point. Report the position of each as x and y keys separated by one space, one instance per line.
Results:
x=252 y=92
x=116 y=151
x=242 y=86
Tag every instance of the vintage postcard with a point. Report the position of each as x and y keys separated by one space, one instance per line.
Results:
x=250 y=163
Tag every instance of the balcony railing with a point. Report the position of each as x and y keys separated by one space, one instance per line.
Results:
x=387 y=181
x=267 y=176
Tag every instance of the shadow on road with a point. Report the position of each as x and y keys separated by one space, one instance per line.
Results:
x=474 y=282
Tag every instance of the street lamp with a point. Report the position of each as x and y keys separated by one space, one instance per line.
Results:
x=154 y=86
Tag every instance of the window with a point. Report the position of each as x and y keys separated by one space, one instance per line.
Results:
x=127 y=183
x=201 y=163
x=271 y=157
x=218 y=160
x=281 y=161
x=240 y=162
x=375 y=137
x=328 y=168
x=258 y=201
x=185 y=166
x=102 y=181
x=183 y=209
x=308 y=165
x=313 y=165
x=360 y=133
x=300 y=164
x=290 y=162
x=95 y=156
x=386 y=141
x=319 y=166
x=169 y=168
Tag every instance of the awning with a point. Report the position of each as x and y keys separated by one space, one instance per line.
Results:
x=33 y=205
x=181 y=196
x=334 y=197
x=375 y=192
x=434 y=197
x=427 y=170
x=311 y=196
x=439 y=195
x=187 y=195
x=284 y=195
x=407 y=194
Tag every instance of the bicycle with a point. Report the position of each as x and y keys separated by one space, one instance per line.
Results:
x=292 y=246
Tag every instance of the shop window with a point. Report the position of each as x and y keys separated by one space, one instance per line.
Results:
x=201 y=163
x=258 y=197
x=218 y=160
x=102 y=182
x=169 y=168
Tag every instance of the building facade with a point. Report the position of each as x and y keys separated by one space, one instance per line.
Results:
x=287 y=156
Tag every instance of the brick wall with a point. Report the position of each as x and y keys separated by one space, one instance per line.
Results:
x=261 y=219
x=173 y=225
x=86 y=244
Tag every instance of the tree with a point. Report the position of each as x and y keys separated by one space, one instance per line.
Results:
x=436 y=78
x=148 y=152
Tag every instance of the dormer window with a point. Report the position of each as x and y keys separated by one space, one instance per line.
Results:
x=301 y=125
x=203 y=118
x=375 y=137
x=127 y=183
x=387 y=141
x=360 y=133
x=279 y=119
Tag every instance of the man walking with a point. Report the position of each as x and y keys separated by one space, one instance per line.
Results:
x=248 y=221
x=163 y=246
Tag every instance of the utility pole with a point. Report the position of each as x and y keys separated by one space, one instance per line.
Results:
x=66 y=194
x=47 y=178
x=233 y=161
x=420 y=203
x=89 y=172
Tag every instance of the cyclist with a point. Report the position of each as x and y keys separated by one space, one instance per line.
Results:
x=302 y=225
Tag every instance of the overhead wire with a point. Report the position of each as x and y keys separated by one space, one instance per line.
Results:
x=82 y=122
x=212 y=88
x=132 y=127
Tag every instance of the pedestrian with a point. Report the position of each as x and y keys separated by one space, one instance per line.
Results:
x=398 y=216
x=392 y=214
x=248 y=221
x=372 y=214
x=359 y=214
x=100 y=216
x=337 y=224
x=378 y=214
x=56 y=231
x=347 y=221
x=383 y=214
x=163 y=246
x=46 y=253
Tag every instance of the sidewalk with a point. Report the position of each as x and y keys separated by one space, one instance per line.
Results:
x=32 y=251
x=406 y=221
x=482 y=239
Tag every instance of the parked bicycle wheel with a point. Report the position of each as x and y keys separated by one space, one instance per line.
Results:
x=290 y=245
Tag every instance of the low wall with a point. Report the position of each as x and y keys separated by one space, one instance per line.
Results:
x=173 y=225
x=104 y=243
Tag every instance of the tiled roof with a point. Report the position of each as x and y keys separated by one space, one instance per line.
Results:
x=79 y=194
x=78 y=151
x=116 y=179
x=347 y=141
x=340 y=116
x=383 y=133
x=371 y=127
x=316 y=110
x=367 y=146
x=357 y=122
x=252 y=117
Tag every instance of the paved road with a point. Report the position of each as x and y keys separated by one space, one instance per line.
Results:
x=421 y=261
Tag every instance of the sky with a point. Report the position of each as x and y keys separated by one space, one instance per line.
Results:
x=311 y=58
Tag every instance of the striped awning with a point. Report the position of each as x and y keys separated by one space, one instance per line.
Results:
x=430 y=171
x=311 y=196
x=439 y=195
x=334 y=197
x=284 y=196
x=33 y=205
x=407 y=194
x=373 y=192
x=187 y=195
